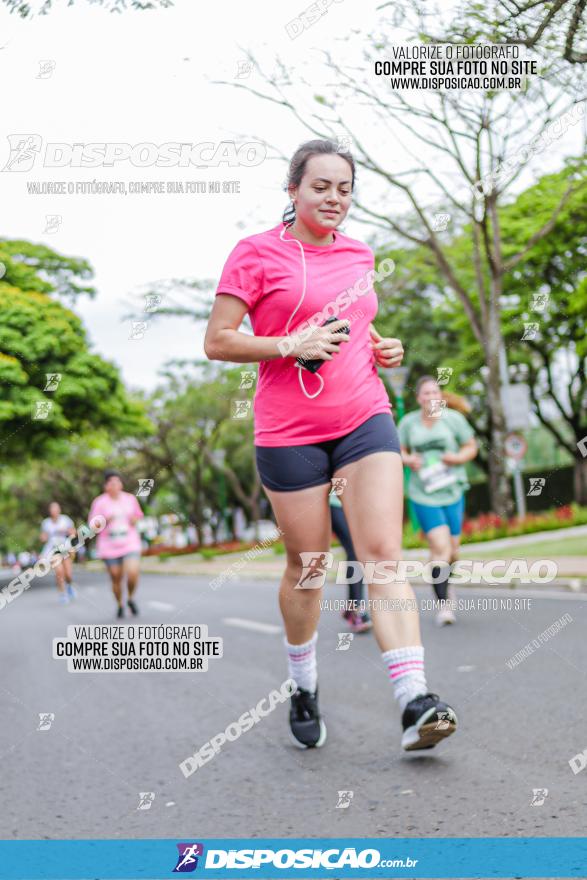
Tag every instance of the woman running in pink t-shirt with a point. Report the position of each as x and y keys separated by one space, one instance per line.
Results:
x=322 y=413
x=119 y=544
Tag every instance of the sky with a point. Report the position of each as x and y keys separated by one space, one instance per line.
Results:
x=82 y=74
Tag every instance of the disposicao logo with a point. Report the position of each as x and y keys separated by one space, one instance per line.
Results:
x=188 y=857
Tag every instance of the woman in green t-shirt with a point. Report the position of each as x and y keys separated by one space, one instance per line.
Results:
x=436 y=441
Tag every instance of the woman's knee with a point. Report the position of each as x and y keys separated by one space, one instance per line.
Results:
x=387 y=550
x=306 y=574
x=440 y=550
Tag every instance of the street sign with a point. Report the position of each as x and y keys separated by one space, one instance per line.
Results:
x=516 y=405
x=516 y=446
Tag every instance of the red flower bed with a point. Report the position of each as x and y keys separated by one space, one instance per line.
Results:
x=488 y=525
x=564 y=513
x=158 y=549
x=222 y=547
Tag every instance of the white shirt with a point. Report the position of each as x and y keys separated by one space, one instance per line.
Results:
x=57 y=530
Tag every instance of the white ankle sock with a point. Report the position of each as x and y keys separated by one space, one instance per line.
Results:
x=301 y=661
x=405 y=667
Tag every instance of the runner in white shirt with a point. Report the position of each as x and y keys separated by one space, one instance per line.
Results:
x=54 y=531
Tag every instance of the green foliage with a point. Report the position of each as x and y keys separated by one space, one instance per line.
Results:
x=552 y=29
x=71 y=473
x=192 y=417
x=25 y=10
x=35 y=267
x=436 y=331
x=38 y=337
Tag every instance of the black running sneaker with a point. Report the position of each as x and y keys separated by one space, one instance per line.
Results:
x=120 y=612
x=308 y=730
x=426 y=720
x=133 y=606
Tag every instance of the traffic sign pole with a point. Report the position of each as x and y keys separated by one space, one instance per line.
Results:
x=516 y=448
x=519 y=490
x=517 y=474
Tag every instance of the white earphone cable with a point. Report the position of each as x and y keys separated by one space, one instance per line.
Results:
x=286 y=331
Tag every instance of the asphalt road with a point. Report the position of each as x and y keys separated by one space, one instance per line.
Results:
x=116 y=735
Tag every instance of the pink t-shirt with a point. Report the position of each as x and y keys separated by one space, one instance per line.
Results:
x=267 y=274
x=119 y=537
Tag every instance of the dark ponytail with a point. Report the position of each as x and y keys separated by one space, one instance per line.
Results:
x=297 y=168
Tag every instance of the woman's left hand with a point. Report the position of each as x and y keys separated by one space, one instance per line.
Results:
x=388 y=352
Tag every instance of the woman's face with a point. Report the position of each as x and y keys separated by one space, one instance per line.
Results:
x=428 y=391
x=113 y=485
x=324 y=195
x=54 y=510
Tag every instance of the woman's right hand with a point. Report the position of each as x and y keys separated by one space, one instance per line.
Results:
x=322 y=342
x=415 y=462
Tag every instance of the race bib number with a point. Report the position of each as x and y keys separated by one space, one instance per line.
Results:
x=436 y=475
x=119 y=529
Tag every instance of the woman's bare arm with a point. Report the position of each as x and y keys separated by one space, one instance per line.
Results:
x=467 y=452
x=225 y=342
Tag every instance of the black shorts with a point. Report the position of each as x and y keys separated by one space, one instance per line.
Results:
x=289 y=468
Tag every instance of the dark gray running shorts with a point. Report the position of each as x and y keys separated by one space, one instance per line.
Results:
x=289 y=468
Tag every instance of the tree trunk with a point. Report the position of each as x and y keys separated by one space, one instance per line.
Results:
x=580 y=479
x=499 y=484
x=195 y=520
x=254 y=509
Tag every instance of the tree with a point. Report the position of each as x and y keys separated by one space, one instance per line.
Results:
x=71 y=474
x=54 y=387
x=555 y=269
x=193 y=419
x=552 y=27
x=437 y=331
x=36 y=267
x=24 y=9
x=416 y=306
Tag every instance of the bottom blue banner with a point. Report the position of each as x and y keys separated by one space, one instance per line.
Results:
x=308 y=858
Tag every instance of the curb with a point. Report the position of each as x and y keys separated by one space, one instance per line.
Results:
x=572 y=584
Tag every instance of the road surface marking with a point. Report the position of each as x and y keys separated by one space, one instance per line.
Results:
x=160 y=606
x=253 y=625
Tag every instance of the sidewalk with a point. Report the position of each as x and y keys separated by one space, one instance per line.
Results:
x=534 y=538
x=267 y=565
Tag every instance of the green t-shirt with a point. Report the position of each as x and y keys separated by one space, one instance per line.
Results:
x=436 y=484
x=334 y=500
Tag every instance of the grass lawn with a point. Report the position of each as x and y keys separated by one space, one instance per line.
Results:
x=576 y=546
